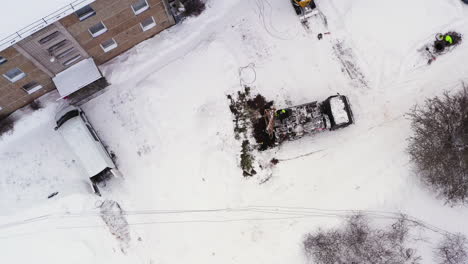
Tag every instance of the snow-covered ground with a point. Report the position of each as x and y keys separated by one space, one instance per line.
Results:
x=166 y=117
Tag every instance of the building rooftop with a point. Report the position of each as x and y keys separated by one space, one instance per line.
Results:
x=22 y=18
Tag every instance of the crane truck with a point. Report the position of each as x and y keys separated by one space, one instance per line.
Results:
x=295 y=122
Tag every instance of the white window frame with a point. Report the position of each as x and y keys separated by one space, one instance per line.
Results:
x=111 y=47
x=85 y=16
x=17 y=77
x=141 y=10
x=34 y=89
x=149 y=26
x=99 y=32
x=3 y=60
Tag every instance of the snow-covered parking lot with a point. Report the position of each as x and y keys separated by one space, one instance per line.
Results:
x=166 y=117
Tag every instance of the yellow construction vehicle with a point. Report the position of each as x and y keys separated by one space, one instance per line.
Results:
x=304 y=8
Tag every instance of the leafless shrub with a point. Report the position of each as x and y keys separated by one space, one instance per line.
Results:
x=35 y=105
x=194 y=7
x=358 y=242
x=324 y=247
x=439 y=146
x=452 y=250
x=7 y=125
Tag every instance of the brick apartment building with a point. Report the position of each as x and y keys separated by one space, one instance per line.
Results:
x=61 y=50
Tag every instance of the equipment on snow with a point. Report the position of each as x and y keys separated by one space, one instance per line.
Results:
x=306 y=9
x=52 y=195
x=443 y=43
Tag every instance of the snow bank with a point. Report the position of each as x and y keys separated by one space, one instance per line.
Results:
x=36 y=162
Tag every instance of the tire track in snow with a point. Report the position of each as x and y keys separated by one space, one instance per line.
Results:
x=349 y=65
x=263 y=16
x=209 y=23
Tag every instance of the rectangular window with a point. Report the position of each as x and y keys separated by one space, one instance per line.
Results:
x=85 y=12
x=57 y=46
x=97 y=29
x=32 y=87
x=72 y=60
x=1 y=108
x=65 y=53
x=14 y=75
x=49 y=37
x=140 y=6
x=148 y=23
x=109 y=45
x=2 y=60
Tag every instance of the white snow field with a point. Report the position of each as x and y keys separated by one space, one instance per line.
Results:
x=166 y=117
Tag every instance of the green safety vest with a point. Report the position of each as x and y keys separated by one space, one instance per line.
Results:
x=449 y=39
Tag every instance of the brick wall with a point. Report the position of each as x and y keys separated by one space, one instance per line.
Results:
x=122 y=25
x=12 y=95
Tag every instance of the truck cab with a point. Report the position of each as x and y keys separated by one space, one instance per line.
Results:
x=337 y=108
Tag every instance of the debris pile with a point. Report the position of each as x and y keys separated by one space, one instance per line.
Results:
x=249 y=122
x=114 y=217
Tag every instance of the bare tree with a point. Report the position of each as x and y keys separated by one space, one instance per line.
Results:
x=193 y=7
x=35 y=105
x=439 y=145
x=324 y=246
x=7 y=125
x=452 y=250
x=359 y=242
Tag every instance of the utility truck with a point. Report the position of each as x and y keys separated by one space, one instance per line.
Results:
x=295 y=122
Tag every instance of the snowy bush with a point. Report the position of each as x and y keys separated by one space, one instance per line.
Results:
x=7 y=125
x=452 y=250
x=439 y=146
x=35 y=105
x=194 y=7
x=359 y=242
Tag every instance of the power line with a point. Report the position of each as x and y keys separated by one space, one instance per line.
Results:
x=279 y=212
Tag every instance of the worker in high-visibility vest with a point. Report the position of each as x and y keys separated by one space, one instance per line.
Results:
x=448 y=39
